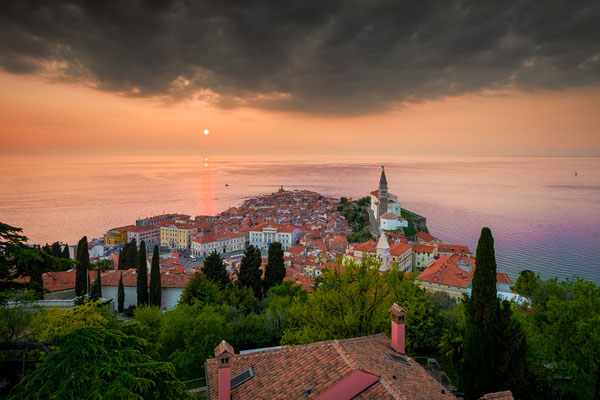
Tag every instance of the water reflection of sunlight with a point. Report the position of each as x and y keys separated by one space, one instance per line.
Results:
x=207 y=194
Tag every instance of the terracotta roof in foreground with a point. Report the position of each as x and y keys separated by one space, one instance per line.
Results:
x=288 y=372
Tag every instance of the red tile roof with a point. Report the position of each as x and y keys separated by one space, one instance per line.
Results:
x=506 y=395
x=284 y=228
x=445 y=271
x=216 y=238
x=398 y=249
x=169 y=278
x=143 y=228
x=454 y=249
x=299 y=279
x=423 y=248
x=369 y=246
x=288 y=372
x=295 y=250
x=388 y=215
x=501 y=277
x=124 y=228
x=425 y=236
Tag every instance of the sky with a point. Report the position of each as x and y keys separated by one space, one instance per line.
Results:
x=300 y=78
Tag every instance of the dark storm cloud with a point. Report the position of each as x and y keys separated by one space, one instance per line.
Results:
x=338 y=57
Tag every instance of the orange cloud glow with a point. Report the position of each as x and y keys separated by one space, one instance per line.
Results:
x=37 y=117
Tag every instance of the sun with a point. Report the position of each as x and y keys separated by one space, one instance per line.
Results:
x=206 y=131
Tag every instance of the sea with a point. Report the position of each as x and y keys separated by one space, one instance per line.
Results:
x=544 y=212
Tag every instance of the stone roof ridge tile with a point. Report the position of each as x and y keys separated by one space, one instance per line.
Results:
x=345 y=356
x=388 y=387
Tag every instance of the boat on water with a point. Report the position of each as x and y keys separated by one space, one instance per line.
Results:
x=227 y=184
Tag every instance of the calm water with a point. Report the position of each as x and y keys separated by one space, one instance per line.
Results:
x=542 y=216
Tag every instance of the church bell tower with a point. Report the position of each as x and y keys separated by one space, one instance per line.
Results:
x=383 y=193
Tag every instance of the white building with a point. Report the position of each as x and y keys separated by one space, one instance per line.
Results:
x=423 y=255
x=173 y=282
x=96 y=251
x=150 y=234
x=390 y=222
x=204 y=245
x=383 y=202
x=262 y=236
x=383 y=252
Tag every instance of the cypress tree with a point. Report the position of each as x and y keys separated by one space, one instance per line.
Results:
x=81 y=274
x=56 y=249
x=98 y=285
x=121 y=295
x=131 y=259
x=65 y=252
x=511 y=352
x=120 y=263
x=155 y=287
x=215 y=270
x=275 y=270
x=481 y=311
x=142 y=276
x=47 y=249
x=250 y=272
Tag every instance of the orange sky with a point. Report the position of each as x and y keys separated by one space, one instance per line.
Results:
x=37 y=117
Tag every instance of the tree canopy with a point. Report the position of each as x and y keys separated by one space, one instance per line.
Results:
x=142 y=276
x=83 y=266
x=214 y=269
x=96 y=362
x=275 y=269
x=155 y=284
x=250 y=273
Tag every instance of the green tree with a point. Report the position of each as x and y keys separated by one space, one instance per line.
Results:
x=12 y=247
x=103 y=265
x=81 y=275
x=511 y=351
x=56 y=249
x=343 y=304
x=95 y=363
x=481 y=310
x=250 y=273
x=19 y=260
x=364 y=201
x=423 y=320
x=562 y=326
x=121 y=295
x=215 y=270
x=47 y=249
x=142 y=276
x=275 y=269
x=189 y=336
x=130 y=255
x=155 y=285
x=527 y=285
x=97 y=288
x=150 y=321
x=53 y=323
x=14 y=319
x=121 y=262
x=65 y=252
x=200 y=289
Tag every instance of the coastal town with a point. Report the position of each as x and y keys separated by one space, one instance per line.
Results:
x=312 y=228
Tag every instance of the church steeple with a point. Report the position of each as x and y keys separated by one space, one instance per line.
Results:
x=382 y=180
x=383 y=193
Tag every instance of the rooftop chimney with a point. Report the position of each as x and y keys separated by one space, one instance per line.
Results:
x=397 y=315
x=224 y=354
